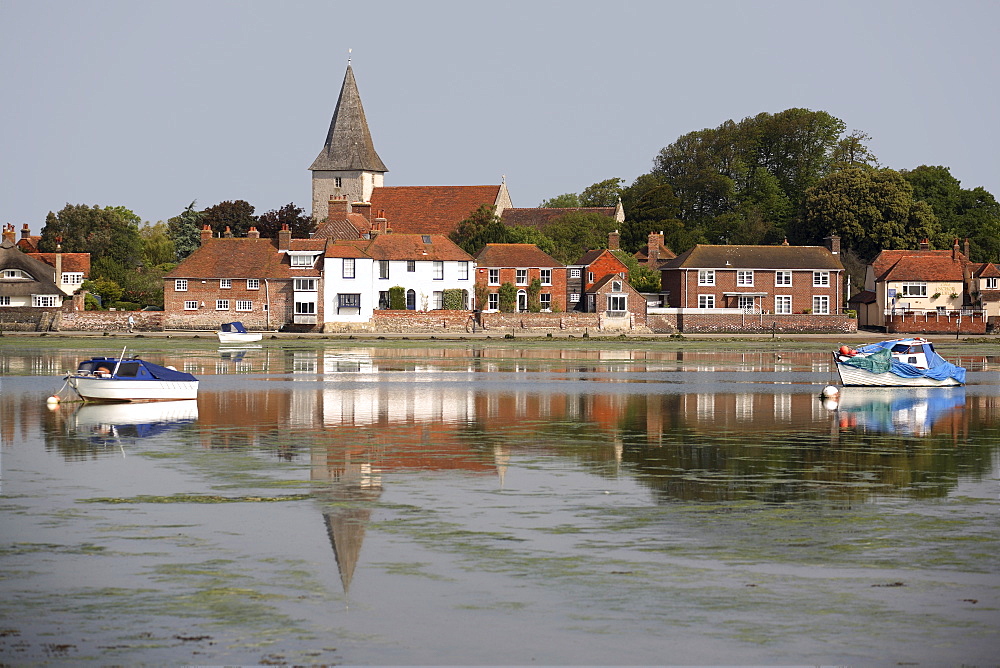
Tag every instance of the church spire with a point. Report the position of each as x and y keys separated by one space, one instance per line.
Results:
x=348 y=145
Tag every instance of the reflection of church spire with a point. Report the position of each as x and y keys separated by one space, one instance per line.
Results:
x=353 y=495
x=501 y=458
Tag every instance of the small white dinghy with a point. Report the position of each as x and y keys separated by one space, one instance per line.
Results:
x=130 y=379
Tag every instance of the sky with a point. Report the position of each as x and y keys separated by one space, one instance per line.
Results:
x=153 y=105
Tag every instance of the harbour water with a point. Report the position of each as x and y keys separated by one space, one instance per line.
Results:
x=343 y=502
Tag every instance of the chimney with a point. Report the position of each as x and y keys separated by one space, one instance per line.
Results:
x=954 y=250
x=965 y=248
x=614 y=240
x=833 y=244
x=925 y=244
x=653 y=246
x=364 y=208
x=785 y=242
x=338 y=208
x=228 y=233
x=206 y=234
x=284 y=237
x=58 y=260
x=252 y=233
x=25 y=231
x=380 y=224
x=8 y=232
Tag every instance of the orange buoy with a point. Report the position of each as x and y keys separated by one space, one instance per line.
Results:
x=850 y=352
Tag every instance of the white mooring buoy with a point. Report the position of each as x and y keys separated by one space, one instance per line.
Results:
x=830 y=391
x=52 y=400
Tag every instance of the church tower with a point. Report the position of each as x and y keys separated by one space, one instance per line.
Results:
x=348 y=165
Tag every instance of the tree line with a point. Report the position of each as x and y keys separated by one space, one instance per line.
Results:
x=128 y=257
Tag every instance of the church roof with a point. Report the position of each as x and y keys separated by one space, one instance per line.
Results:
x=348 y=145
x=431 y=209
x=541 y=217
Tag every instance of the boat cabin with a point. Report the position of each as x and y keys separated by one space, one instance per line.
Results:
x=913 y=353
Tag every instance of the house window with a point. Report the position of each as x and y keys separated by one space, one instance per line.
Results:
x=616 y=302
x=438 y=270
x=180 y=285
x=706 y=301
x=991 y=284
x=344 y=300
x=744 y=278
x=306 y=308
x=226 y=283
x=546 y=276
x=411 y=266
x=745 y=302
x=493 y=302
x=821 y=279
x=383 y=299
x=521 y=276
x=76 y=278
x=14 y=273
x=383 y=269
x=43 y=301
x=426 y=238
x=590 y=277
x=574 y=273
x=348 y=271
x=244 y=305
x=4 y=300
x=221 y=304
x=783 y=304
x=494 y=276
x=305 y=285
x=915 y=289
x=438 y=299
x=463 y=270
x=782 y=278
x=574 y=298
x=302 y=260
x=545 y=299
x=411 y=300
x=191 y=306
x=821 y=305
x=706 y=277
x=253 y=284
x=338 y=182
x=616 y=286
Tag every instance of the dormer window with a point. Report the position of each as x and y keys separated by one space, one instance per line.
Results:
x=302 y=260
x=426 y=238
x=15 y=273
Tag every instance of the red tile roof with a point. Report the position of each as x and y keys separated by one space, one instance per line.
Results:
x=541 y=217
x=414 y=247
x=240 y=258
x=514 y=255
x=430 y=209
x=755 y=257
x=919 y=265
x=987 y=270
x=70 y=261
x=350 y=227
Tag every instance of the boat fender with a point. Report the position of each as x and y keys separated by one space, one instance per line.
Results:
x=848 y=351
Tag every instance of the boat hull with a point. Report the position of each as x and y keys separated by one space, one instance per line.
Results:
x=856 y=377
x=115 y=389
x=236 y=337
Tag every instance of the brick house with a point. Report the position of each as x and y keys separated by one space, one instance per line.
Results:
x=757 y=279
x=265 y=283
x=621 y=306
x=926 y=282
x=519 y=265
x=589 y=270
x=655 y=252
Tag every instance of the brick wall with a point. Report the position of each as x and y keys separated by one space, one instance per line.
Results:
x=731 y=323
x=110 y=321
x=459 y=322
x=684 y=289
x=278 y=295
x=935 y=323
x=557 y=289
x=572 y=321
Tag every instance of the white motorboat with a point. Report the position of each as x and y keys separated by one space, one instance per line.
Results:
x=130 y=379
x=235 y=332
x=909 y=362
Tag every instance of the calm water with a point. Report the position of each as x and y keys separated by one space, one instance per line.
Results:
x=529 y=503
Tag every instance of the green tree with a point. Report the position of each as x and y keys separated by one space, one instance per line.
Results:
x=109 y=291
x=236 y=215
x=602 y=193
x=483 y=227
x=111 y=232
x=577 y=232
x=870 y=209
x=534 y=299
x=157 y=248
x=397 y=298
x=507 y=298
x=641 y=277
x=853 y=151
x=564 y=201
x=184 y=230
x=965 y=214
x=300 y=223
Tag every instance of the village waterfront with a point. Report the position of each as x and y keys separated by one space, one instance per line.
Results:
x=498 y=501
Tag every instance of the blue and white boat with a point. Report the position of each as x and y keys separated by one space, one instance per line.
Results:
x=130 y=379
x=908 y=362
x=235 y=332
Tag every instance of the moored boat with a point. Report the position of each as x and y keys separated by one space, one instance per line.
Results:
x=130 y=379
x=907 y=362
x=235 y=332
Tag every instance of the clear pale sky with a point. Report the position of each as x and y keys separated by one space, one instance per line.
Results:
x=151 y=105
